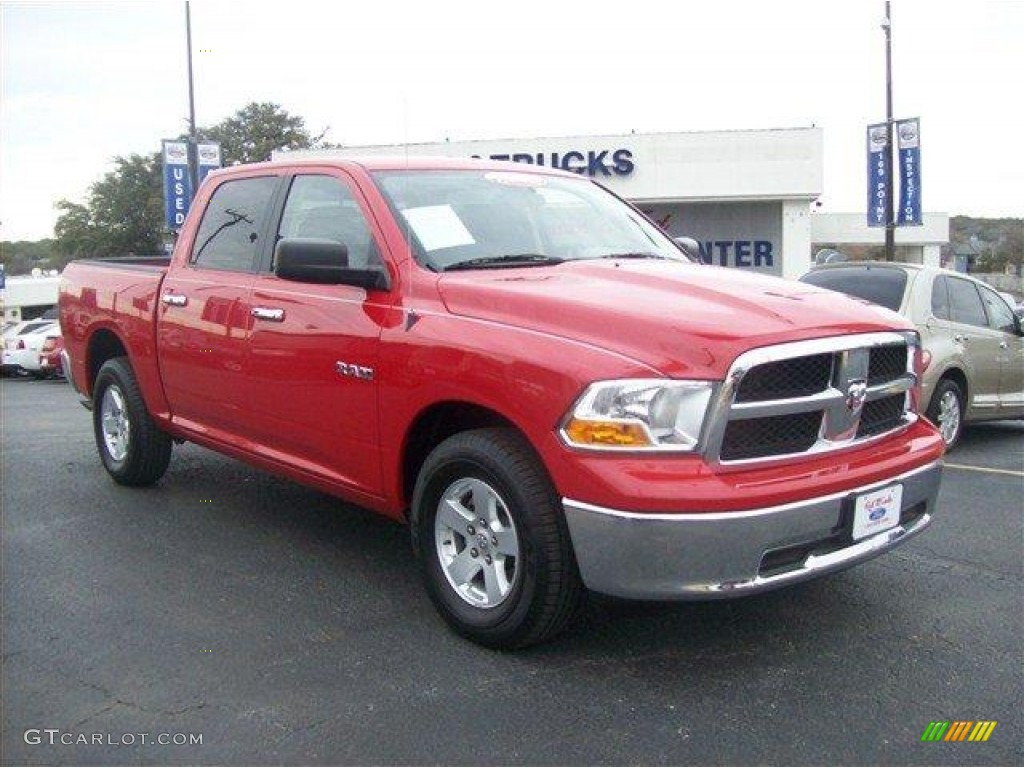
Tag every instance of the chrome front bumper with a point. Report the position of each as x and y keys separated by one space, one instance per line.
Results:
x=729 y=554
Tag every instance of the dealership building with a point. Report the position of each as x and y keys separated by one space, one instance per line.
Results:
x=746 y=196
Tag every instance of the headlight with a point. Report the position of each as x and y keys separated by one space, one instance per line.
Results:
x=646 y=414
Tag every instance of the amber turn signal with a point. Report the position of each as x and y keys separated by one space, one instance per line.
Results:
x=611 y=433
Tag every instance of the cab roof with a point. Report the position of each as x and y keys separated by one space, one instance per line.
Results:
x=398 y=163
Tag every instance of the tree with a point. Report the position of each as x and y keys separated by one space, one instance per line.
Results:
x=124 y=211
x=128 y=206
x=76 y=236
x=257 y=129
x=997 y=243
x=20 y=257
x=123 y=215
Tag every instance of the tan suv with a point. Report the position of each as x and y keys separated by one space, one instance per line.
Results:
x=976 y=372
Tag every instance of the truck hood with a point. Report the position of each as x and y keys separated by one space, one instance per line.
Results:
x=683 y=320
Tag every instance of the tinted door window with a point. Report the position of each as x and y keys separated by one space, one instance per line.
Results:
x=229 y=235
x=880 y=285
x=1000 y=316
x=940 y=299
x=965 y=303
x=323 y=207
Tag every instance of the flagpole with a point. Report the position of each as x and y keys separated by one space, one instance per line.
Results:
x=890 y=187
x=193 y=159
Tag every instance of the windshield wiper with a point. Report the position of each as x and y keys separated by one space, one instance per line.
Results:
x=632 y=255
x=506 y=260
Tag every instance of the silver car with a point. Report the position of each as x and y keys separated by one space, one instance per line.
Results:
x=972 y=336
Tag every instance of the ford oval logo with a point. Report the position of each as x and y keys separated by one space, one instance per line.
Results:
x=877 y=514
x=908 y=131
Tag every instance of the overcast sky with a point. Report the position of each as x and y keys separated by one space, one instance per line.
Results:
x=83 y=82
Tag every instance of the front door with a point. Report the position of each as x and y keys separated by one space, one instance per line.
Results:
x=979 y=346
x=1011 y=354
x=312 y=369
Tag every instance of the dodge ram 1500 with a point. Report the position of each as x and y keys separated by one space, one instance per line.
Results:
x=523 y=369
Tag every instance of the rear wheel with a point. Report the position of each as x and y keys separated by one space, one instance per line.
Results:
x=492 y=542
x=133 y=449
x=946 y=411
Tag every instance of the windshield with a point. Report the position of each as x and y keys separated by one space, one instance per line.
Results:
x=480 y=219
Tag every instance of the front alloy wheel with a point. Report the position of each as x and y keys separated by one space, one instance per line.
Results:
x=946 y=411
x=492 y=542
x=477 y=544
x=949 y=416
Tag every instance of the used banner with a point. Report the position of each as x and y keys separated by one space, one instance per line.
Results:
x=177 y=184
x=878 y=172
x=908 y=141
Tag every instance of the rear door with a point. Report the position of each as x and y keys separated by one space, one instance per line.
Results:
x=312 y=370
x=205 y=319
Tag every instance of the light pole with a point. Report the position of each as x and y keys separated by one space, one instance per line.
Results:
x=890 y=187
x=193 y=159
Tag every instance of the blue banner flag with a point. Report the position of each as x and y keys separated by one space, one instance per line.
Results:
x=908 y=142
x=177 y=184
x=878 y=174
x=209 y=158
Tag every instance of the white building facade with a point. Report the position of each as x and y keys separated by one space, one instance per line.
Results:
x=917 y=245
x=746 y=196
x=27 y=297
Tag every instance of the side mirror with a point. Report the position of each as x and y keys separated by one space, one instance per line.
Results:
x=324 y=262
x=690 y=247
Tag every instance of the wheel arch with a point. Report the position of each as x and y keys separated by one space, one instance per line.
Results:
x=104 y=345
x=435 y=424
x=959 y=377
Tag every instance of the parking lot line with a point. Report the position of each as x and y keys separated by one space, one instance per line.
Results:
x=991 y=470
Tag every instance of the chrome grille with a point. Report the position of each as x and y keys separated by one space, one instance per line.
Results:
x=770 y=435
x=812 y=397
x=881 y=415
x=887 y=363
x=798 y=377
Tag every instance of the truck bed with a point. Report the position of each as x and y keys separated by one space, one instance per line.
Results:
x=142 y=263
x=113 y=301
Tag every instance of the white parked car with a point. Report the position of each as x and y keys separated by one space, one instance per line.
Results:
x=23 y=343
x=10 y=338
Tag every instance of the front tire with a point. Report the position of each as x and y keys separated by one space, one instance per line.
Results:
x=946 y=411
x=493 y=546
x=131 y=446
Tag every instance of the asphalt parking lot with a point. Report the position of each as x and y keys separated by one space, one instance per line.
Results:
x=282 y=627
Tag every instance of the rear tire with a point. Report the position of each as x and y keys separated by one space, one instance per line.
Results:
x=492 y=542
x=132 y=448
x=946 y=411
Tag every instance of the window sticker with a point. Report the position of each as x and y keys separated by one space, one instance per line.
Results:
x=438 y=226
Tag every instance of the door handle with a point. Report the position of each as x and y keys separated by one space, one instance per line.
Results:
x=174 y=299
x=1003 y=345
x=272 y=314
x=960 y=338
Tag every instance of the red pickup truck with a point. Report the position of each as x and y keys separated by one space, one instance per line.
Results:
x=521 y=367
